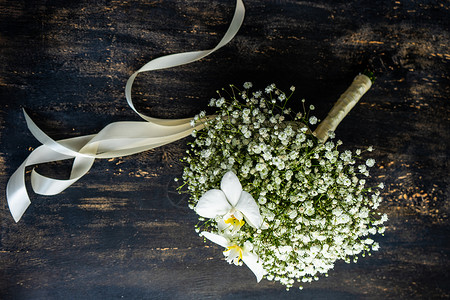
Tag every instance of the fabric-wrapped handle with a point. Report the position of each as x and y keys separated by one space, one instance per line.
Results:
x=360 y=85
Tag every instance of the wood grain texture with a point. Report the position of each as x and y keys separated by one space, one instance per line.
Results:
x=123 y=232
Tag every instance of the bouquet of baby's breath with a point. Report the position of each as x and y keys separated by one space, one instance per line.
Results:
x=286 y=203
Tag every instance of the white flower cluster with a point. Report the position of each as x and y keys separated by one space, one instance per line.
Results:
x=312 y=197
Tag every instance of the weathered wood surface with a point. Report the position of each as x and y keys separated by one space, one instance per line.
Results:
x=123 y=232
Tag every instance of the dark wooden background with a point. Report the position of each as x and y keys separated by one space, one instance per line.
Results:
x=122 y=231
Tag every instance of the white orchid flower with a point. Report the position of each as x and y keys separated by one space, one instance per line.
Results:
x=235 y=253
x=231 y=202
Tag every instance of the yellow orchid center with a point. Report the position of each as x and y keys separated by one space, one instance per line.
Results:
x=236 y=223
x=233 y=254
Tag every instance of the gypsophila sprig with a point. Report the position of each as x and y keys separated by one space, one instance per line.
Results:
x=312 y=199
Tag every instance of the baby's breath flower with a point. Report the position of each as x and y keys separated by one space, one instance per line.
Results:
x=247 y=85
x=220 y=102
x=370 y=162
x=270 y=88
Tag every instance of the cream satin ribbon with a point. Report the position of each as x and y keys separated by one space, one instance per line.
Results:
x=116 y=139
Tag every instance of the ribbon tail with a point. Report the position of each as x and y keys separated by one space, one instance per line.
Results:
x=16 y=191
x=46 y=140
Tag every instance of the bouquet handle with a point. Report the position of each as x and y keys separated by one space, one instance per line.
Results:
x=360 y=85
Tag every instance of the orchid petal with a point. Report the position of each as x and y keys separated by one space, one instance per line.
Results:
x=216 y=238
x=212 y=204
x=238 y=215
x=251 y=260
x=248 y=207
x=222 y=226
x=231 y=186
